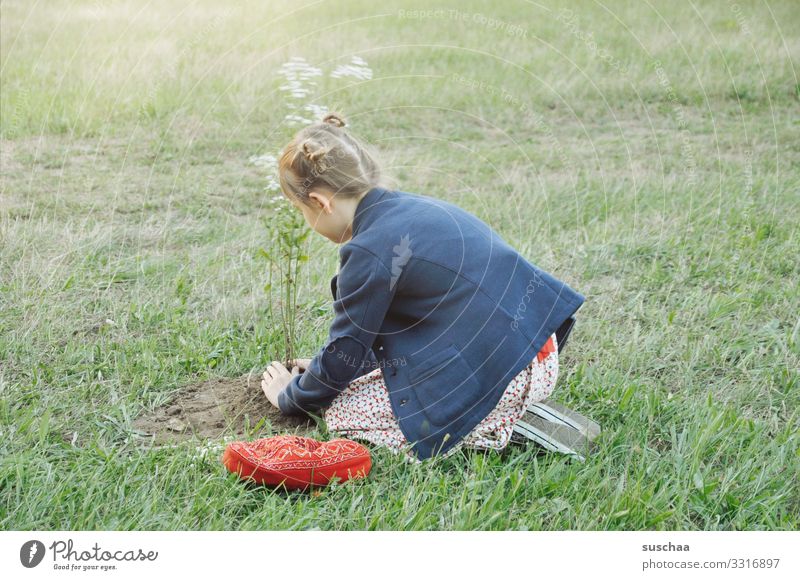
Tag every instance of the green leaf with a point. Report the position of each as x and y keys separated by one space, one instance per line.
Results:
x=44 y=425
x=626 y=397
x=658 y=518
x=698 y=481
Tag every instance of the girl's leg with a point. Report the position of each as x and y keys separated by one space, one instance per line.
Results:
x=541 y=406
x=363 y=411
x=543 y=424
x=533 y=383
x=544 y=375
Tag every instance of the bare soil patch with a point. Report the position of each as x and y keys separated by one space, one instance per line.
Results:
x=217 y=408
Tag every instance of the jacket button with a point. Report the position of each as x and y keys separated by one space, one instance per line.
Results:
x=403 y=402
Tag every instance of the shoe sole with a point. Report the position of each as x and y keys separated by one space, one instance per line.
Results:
x=561 y=415
x=553 y=436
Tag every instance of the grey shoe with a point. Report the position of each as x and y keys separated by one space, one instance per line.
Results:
x=554 y=436
x=556 y=413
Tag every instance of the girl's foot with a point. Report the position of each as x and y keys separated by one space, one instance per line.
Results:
x=553 y=436
x=556 y=413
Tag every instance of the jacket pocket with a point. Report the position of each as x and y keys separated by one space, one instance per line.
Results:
x=445 y=385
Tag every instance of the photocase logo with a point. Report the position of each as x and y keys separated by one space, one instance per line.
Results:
x=31 y=553
x=522 y=307
x=402 y=252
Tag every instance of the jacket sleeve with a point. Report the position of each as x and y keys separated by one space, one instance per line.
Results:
x=371 y=362
x=365 y=291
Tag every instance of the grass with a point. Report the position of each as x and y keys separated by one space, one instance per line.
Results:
x=659 y=177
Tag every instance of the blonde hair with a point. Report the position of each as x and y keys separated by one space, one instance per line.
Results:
x=325 y=154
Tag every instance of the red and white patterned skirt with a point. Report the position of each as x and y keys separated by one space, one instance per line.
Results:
x=363 y=410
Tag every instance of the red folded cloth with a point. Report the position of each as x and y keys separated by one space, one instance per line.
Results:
x=297 y=462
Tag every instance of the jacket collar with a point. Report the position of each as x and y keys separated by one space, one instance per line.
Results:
x=367 y=209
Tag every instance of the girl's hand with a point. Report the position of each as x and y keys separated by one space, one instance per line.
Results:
x=276 y=377
x=301 y=363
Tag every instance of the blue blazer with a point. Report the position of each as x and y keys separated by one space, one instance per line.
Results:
x=449 y=311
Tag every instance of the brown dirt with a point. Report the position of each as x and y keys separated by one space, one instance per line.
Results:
x=217 y=408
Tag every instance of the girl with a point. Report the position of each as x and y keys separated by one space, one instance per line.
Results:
x=443 y=335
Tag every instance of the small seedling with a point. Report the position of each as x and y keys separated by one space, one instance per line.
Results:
x=286 y=255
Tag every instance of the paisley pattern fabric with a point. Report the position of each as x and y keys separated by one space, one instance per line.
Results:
x=297 y=462
x=363 y=410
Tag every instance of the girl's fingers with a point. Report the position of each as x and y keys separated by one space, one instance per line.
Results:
x=301 y=362
x=276 y=370
x=278 y=367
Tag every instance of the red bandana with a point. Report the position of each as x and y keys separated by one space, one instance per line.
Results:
x=297 y=462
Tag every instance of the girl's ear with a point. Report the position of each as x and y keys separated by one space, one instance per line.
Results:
x=321 y=201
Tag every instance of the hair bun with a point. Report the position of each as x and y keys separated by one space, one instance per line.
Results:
x=334 y=119
x=315 y=153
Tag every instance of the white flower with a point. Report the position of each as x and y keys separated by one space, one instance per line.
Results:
x=298 y=74
x=265 y=161
x=293 y=119
x=357 y=68
x=317 y=111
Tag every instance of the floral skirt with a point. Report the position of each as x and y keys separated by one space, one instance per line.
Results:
x=363 y=410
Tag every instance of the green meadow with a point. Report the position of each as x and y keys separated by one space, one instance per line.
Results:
x=646 y=153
